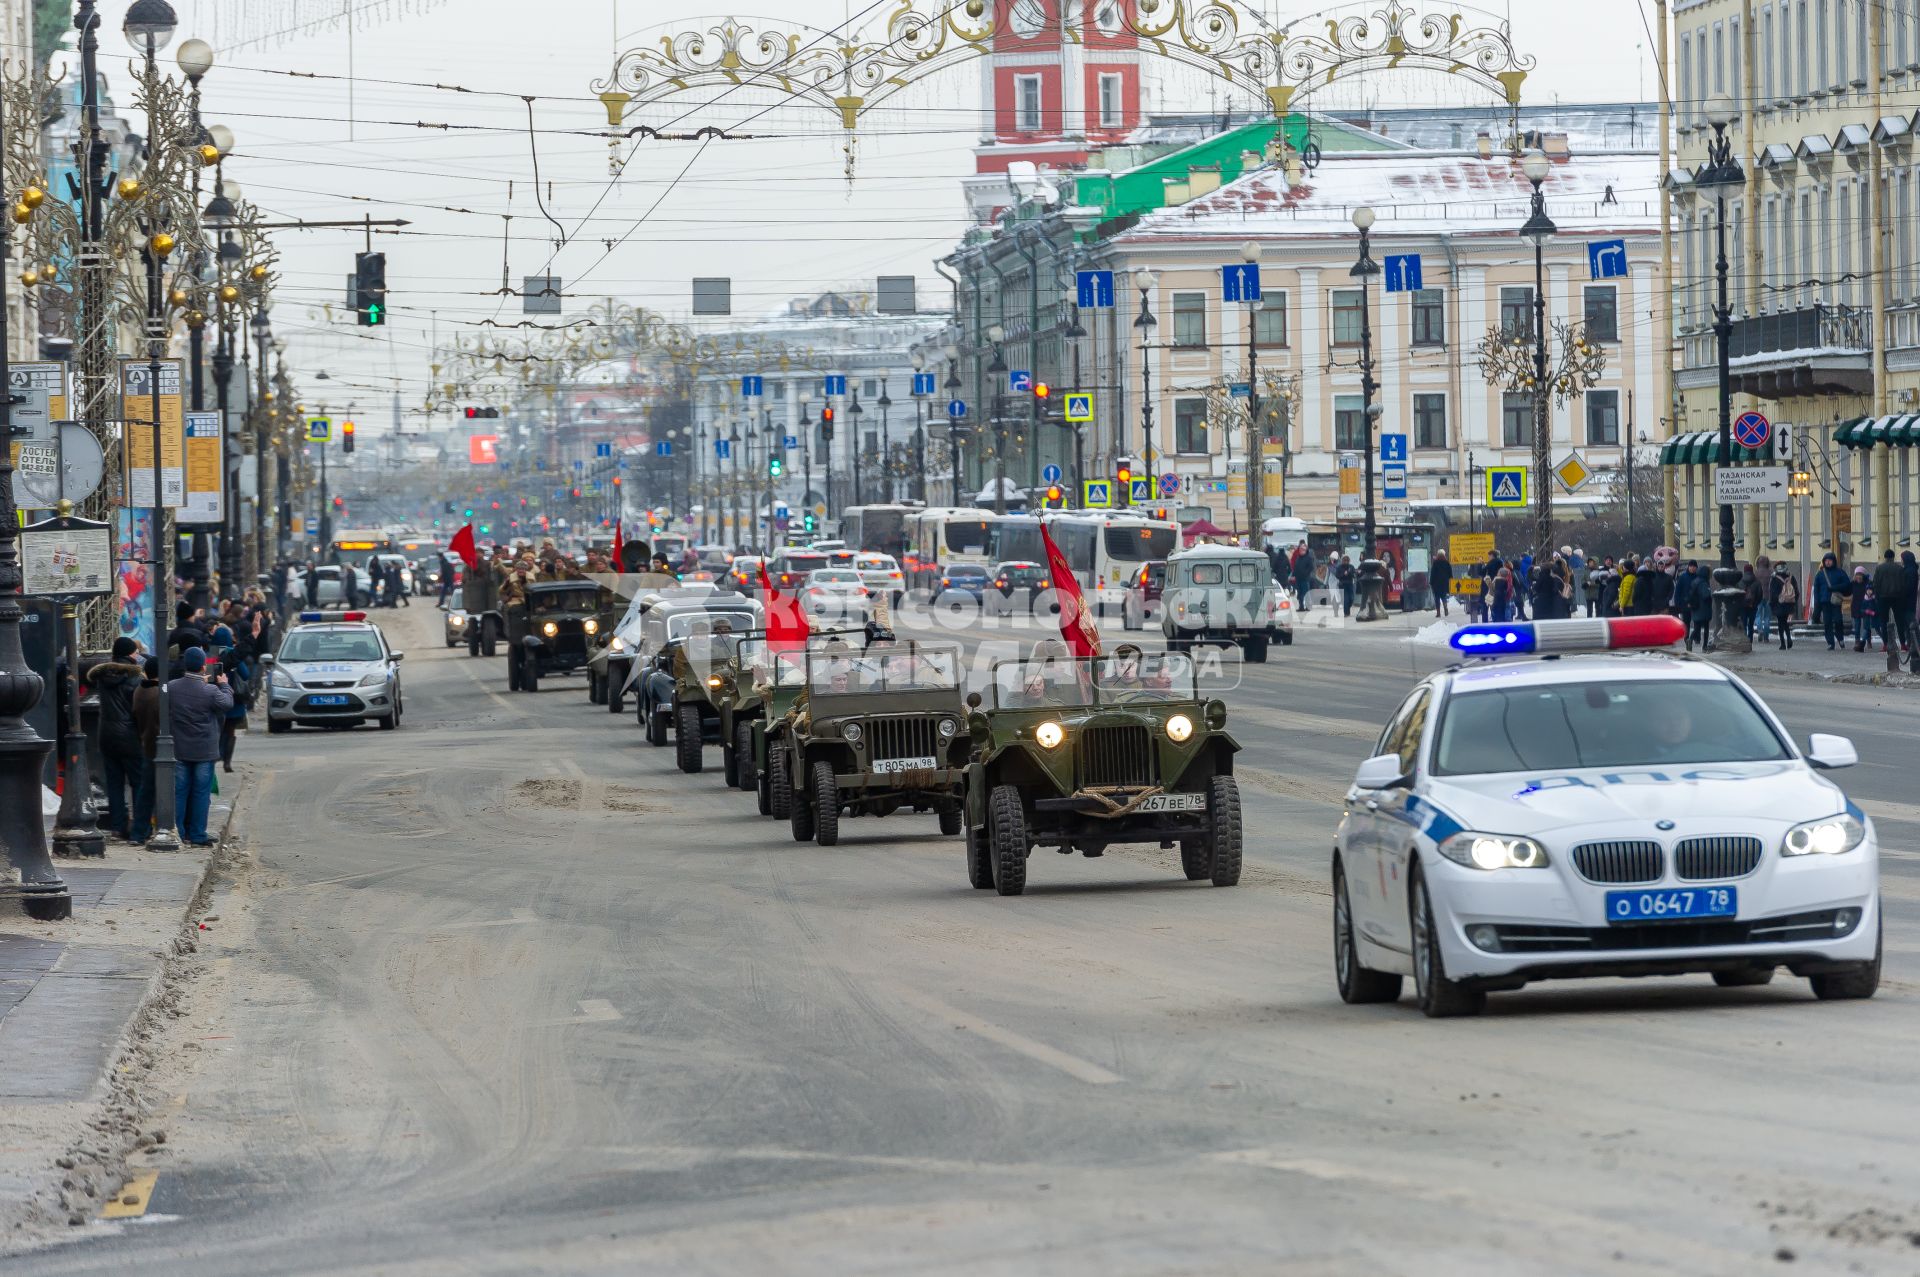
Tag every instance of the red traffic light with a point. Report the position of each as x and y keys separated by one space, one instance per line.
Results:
x=1054 y=495
x=1041 y=390
x=826 y=416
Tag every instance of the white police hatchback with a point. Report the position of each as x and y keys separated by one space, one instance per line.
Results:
x=334 y=671
x=1571 y=807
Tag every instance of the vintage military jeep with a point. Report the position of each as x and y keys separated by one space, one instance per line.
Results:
x=1080 y=754
x=875 y=730
x=549 y=633
x=744 y=685
x=684 y=643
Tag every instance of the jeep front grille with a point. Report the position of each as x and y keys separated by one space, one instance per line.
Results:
x=1699 y=859
x=902 y=738
x=1618 y=861
x=1116 y=756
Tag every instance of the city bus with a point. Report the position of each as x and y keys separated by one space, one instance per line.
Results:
x=939 y=536
x=1105 y=550
x=880 y=529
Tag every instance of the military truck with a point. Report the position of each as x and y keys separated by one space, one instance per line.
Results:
x=877 y=728
x=549 y=632
x=1082 y=753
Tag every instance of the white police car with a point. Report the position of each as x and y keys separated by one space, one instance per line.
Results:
x=334 y=671
x=1596 y=812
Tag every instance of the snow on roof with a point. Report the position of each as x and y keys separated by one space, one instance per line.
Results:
x=1420 y=192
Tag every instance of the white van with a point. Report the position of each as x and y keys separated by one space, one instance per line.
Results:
x=1225 y=594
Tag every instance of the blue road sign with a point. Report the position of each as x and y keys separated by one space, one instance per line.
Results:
x=579 y=465
x=723 y=448
x=663 y=448
x=1096 y=494
x=539 y=465
x=789 y=441
x=1607 y=258
x=1141 y=491
x=1506 y=486
x=1241 y=390
x=603 y=450
x=1752 y=430
x=1020 y=381
x=956 y=408
x=753 y=387
x=836 y=385
x=1169 y=484
x=1393 y=482
x=1403 y=273
x=319 y=430
x=1079 y=408
x=923 y=383
x=1240 y=283
x=1095 y=289
x=623 y=463
x=1393 y=448
x=1049 y=474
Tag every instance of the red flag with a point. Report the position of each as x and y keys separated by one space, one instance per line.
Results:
x=1076 y=626
x=462 y=545
x=787 y=627
x=618 y=544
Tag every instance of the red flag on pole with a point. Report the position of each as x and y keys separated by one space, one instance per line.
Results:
x=462 y=545
x=618 y=543
x=1076 y=627
x=787 y=627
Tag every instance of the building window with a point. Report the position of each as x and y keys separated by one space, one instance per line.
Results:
x=1766 y=54
x=1429 y=317
x=1111 y=115
x=870 y=388
x=1516 y=312
x=1348 y=304
x=1026 y=97
x=1429 y=421
x=1190 y=425
x=1516 y=420
x=779 y=391
x=1349 y=424
x=1189 y=320
x=1686 y=76
x=1602 y=313
x=1270 y=322
x=1603 y=418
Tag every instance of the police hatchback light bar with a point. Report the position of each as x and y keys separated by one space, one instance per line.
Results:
x=1527 y=638
x=344 y=616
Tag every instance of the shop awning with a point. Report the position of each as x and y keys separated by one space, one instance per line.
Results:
x=1849 y=434
x=1702 y=448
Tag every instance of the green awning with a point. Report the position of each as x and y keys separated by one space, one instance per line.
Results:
x=1905 y=432
x=1670 y=451
x=1848 y=433
x=1706 y=447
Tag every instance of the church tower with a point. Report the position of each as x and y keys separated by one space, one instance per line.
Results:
x=1064 y=79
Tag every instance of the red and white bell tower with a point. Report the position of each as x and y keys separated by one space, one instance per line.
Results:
x=1064 y=79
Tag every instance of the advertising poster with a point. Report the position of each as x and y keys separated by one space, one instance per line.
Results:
x=136 y=412
x=133 y=576
x=204 y=502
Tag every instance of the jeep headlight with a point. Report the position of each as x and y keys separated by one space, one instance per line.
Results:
x=1829 y=837
x=853 y=732
x=1050 y=734
x=616 y=644
x=590 y=625
x=1494 y=851
x=456 y=620
x=550 y=629
x=949 y=728
x=1179 y=728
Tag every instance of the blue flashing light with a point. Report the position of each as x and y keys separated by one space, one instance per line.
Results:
x=1493 y=640
x=313 y=616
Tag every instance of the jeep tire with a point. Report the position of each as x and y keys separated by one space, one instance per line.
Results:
x=689 y=748
x=1007 y=839
x=1223 y=841
x=826 y=804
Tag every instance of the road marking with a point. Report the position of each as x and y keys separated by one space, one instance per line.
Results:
x=131 y=1201
x=592 y=1011
x=520 y=918
x=497 y=699
x=1072 y=1065
x=1881 y=809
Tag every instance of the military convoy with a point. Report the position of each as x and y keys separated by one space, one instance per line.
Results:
x=549 y=629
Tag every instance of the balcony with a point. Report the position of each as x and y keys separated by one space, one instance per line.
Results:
x=1817 y=350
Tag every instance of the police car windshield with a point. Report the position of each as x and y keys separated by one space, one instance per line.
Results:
x=330 y=645
x=1630 y=723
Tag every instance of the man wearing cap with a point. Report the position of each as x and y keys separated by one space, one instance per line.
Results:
x=196 y=706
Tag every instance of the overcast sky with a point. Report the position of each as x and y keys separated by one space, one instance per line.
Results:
x=776 y=214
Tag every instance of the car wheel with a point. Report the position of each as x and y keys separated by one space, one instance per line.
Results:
x=452 y=643
x=1255 y=650
x=473 y=643
x=729 y=765
x=1860 y=982
x=530 y=673
x=1356 y=983
x=390 y=722
x=1439 y=997
x=688 y=747
x=826 y=804
x=1007 y=832
x=763 y=791
x=979 y=859
x=593 y=688
x=779 y=783
x=489 y=636
x=1743 y=979
x=656 y=722
x=279 y=726
x=799 y=812
x=743 y=767
x=615 y=688
x=1286 y=638
x=1195 y=859
x=1223 y=814
x=950 y=819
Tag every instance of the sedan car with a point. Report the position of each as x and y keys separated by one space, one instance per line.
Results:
x=454 y=626
x=1015 y=585
x=330 y=592
x=1144 y=592
x=1602 y=812
x=333 y=672
x=836 y=595
x=881 y=574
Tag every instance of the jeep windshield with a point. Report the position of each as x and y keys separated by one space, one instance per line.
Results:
x=586 y=598
x=901 y=667
x=1069 y=682
x=689 y=623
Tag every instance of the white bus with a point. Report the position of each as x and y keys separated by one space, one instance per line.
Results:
x=1106 y=549
x=881 y=529
x=941 y=536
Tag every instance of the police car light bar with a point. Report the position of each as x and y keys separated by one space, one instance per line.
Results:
x=1543 y=637
x=353 y=616
x=313 y=616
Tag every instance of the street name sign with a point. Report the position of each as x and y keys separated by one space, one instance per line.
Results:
x=1750 y=485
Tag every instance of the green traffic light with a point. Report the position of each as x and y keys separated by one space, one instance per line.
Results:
x=376 y=313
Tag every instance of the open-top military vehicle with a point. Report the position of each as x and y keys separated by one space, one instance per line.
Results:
x=684 y=643
x=875 y=729
x=548 y=633
x=745 y=683
x=1081 y=753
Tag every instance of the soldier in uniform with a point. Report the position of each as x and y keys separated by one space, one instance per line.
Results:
x=513 y=606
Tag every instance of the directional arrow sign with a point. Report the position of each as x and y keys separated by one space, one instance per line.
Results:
x=1403 y=273
x=1745 y=485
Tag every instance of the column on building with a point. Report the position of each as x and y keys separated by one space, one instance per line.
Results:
x=1312 y=435
x=1478 y=409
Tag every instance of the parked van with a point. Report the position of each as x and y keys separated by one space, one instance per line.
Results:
x=1224 y=594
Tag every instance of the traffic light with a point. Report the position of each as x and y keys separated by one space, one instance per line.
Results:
x=339 y=503
x=775 y=467
x=1056 y=498
x=468 y=512
x=809 y=523
x=346 y=437
x=477 y=414
x=826 y=430
x=1041 y=392
x=1123 y=481
x=370 y=288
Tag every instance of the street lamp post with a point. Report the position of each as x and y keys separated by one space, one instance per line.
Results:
x=856 y=442
x=886 y=449
x=1372 y=579
x=920 y=427
x=1722 y=173
x=1539 y=228
x=1076 y=333
x=263 y=450
x=806 y=463
x=1146 y=281
x=195 y=59
x=997 y=369
x=1256 y=454
x=955 y=430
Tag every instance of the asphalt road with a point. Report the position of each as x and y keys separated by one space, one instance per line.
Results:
x=503 y=992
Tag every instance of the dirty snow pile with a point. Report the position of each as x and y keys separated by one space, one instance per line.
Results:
x=1434 y=633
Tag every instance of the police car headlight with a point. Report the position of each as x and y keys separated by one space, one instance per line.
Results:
x=590 y=625
x=1829 y=837
x=949 y=728
x=285 y=680
x=1494 y=851
x=374 y=679
x=853 y=732
x=550 y=629
x=616 y=644
x=1179 y=728
x=1050 y=734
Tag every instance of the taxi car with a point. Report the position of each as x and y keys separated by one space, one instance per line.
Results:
x=1597 y=810
x=333 y=672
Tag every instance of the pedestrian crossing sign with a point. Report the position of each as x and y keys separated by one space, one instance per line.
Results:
x=319 y=429
x=1079 y=407
x=1096 y=494
x=1506 y=487
x=1142 y=492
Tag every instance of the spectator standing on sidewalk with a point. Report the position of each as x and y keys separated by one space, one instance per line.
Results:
x=146 y=717
x=1753 y=596
x=1783 y=594
x=1860 y=596
x=196 y=707
x=1763 y=605
x=116 y=682
x=1303 y=577
x=1830 y=586
x=1440 y=577
x=1895 y=608
x=238 y=669
x=1344 y=579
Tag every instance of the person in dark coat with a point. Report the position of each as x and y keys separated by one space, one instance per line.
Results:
x=239 y=673
x=1893 y=607
x=1830 y=586
x=1440 y=575
x=1681 y=605
x=146 y=717
x=1303 y=566
x=1699 y=608
x=313 y=584
x=196 y=706
x=1345 y=579
x=1659 y=589
x=1783 y=595
x=115 y=682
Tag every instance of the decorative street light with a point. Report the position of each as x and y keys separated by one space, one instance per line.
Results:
x=1722 y=174
x=1256 y=484
x=919 y=362
x=1539 y=228
x=1076 y=333
x=956 y=427
x=886 y=455
x=856 y=441
x=1364 y=269
x=1146 y=281
x=997 y=369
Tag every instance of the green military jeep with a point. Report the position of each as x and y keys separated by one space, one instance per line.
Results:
x=875 y=730
x=737 y=690
x=1082 y=753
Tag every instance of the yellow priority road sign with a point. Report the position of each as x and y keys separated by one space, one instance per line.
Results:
x=1572 y=472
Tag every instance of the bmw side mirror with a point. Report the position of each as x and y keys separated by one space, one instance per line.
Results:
x=1830 y=752
x=1382 y=771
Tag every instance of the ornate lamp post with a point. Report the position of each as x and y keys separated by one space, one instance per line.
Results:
x=956 y=429
x=1539 y=228
x=1144 y=323
x=997 y=369
x=886 y=452
x=920 y=427
x=1722 y=174
x=1256 y=453
x=1076 y=334
x=856 y=442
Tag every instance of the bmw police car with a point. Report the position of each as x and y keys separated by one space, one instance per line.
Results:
x=1570 y=807
x=332 y=672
